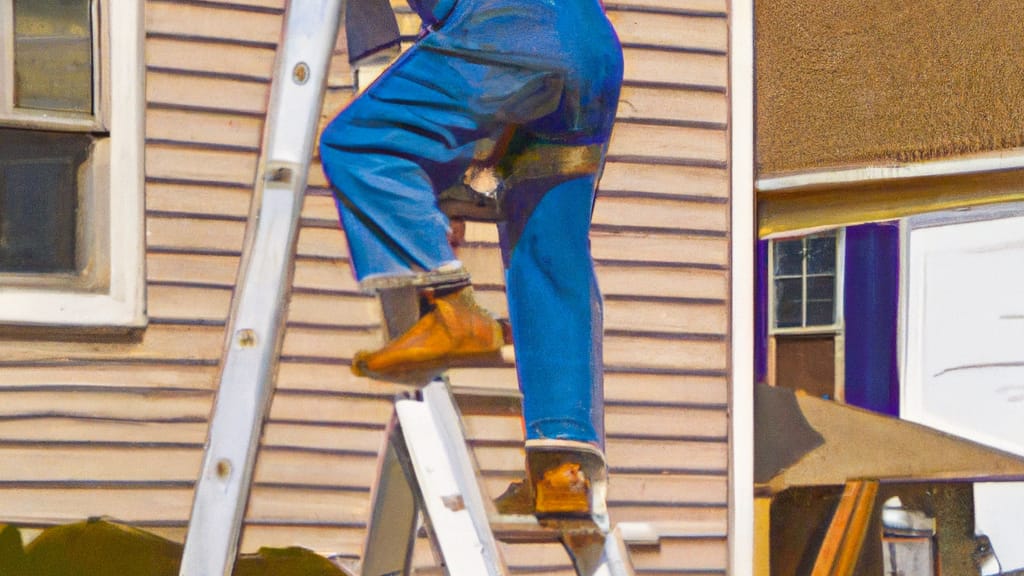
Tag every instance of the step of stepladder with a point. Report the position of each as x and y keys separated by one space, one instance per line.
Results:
x=592 y=550
x=426 y=469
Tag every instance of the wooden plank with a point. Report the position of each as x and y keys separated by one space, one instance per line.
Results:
x=323 y=408
x=193 y=127
x=212 y=22
x=199 y=199
x=333 y=377
x=682 y=318
x=67 y=505
x=657 y=388
x=697 y=515
x=654 y=457
x=325 y=275
x=671 y=31
x=273 y=504
x=684 y=554
x=841 y=547
x=664 y=422
x=651 y=65
x=187 y=234
x=667 y=248
x=672 y=104
x=334 y=310
x=210 y=57
x=151 y=505
x=638 y=351
x=109 y=374
x=106 y=403
x=622 y=281
x=67 y=429
x=196 y=164
x=101 y=464
x=335 y=344
x=158 y=342
x=312 y=468
x=319 y=209
x=493 y=428
x=665 y=179
x=184 y=303
x=667 y=489
x=196 y=268
x=322 y=243
x=657 y=213
x=335 y=437
x=325 y=540
x=669 y=142
x=205 y=92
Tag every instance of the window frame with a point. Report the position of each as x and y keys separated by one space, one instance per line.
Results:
x=836 y=327
x=111 y=292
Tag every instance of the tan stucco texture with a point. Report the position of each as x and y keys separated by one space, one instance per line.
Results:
x=853 y=82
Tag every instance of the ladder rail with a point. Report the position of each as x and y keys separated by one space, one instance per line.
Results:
x=254 y=329
x=457 y=525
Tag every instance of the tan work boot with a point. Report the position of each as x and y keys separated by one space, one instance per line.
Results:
x=567 y=481
x=455 y=331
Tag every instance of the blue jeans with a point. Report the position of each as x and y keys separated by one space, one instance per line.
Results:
x=550 y=68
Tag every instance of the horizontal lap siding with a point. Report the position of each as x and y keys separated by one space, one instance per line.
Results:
x=116 y=426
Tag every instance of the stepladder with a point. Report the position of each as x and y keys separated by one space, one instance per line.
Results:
x=427 y=476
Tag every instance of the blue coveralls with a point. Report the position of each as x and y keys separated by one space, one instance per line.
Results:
x=553 y=69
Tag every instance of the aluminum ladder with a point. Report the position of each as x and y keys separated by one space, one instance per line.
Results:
x=426 y=467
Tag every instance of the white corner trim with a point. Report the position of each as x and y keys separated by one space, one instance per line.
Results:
x=742 y=255
x=122 y=305
x=127 y=161
x=1012 y=159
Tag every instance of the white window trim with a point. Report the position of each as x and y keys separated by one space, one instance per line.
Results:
x=122 y=304
x=837 y=326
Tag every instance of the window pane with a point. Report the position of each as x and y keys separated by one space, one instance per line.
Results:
x=39 y=200
x=821 y=288
x=820 y=313
x=821 y=255
x=53 y=55
x=789 y=255
x=788 y=302
x=820 y=301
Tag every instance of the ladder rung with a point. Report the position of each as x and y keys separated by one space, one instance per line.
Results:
x=523 y=529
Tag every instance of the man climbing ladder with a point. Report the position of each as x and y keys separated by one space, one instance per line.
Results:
x=548 y=73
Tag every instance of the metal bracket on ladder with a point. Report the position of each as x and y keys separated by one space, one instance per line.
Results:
x=254 y=330
x=426 y=448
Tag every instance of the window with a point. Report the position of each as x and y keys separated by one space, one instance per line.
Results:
x=71 y=176
x=804 y=282
x=806 y=339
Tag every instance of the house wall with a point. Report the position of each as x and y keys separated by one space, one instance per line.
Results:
x=114 y=425
x=844 y=82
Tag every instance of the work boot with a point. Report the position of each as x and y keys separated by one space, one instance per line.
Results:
x=566 y=481
x=454 y=331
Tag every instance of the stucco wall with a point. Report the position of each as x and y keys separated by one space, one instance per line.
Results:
x=846 y=82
